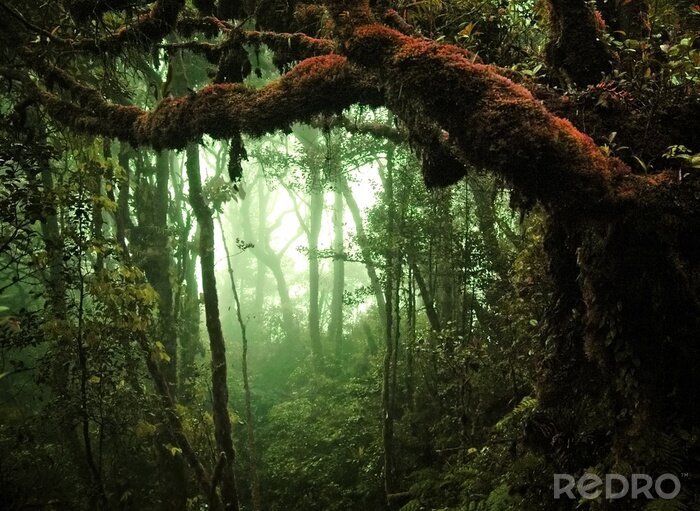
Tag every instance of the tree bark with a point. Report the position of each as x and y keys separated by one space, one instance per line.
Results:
x=152 y=253
x=315 y=217
x=335 y=327
x=250 y=428
x=576 y=46
x=222 y=420
x=427 y=297
x=266 y=256
x=367 y=258
x=388 y=369
x=175 y=427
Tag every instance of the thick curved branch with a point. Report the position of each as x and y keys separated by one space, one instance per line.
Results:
x=320 y=84
x=490 y=121
x=496 y=124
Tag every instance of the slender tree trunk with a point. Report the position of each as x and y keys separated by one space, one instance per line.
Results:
x=222 y=420
x=443 y=290
x=484 y=195
x=51 y=234
x=175 y=427
x=267 y=257
x=388 y=364
x=123 y=218
x=162 y=267
x=98 y=498
x=250 y=428
x=97 y=221
x=190 y=342
x=260 y=267
x=410 y=345
x=315 y=218
x=335 y=327
x=363 y=242
x=427 y=298
x=188 y=313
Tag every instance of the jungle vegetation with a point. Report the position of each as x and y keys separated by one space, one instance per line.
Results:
x=347 y=255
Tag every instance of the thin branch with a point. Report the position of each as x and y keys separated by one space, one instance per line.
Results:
x=29 y=25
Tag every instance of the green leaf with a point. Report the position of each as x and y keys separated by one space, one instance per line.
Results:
x=174 y=451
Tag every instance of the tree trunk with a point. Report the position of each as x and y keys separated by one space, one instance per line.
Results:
x=123 y=216
x=388 y=380
x=335 y=327
x=152 y=253
x=427 y=298
x=315 y=218
x=188 y=309
x=367 y=258
x=576 y=46
x=266 y=256
x=260 y=267
x=175 y=427
x=250 y=428
x=222 y=420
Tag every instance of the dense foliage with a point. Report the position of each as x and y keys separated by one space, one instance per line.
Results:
x=205 y=304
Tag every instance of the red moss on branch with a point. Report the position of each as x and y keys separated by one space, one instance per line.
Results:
x=325 y=84
x=494 y=122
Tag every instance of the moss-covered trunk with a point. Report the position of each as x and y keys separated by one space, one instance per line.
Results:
x=222 y=420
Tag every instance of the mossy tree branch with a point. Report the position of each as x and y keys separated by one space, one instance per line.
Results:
x=319 y=84
x=495 y=123
x=289 y=47
x=438 y=92
x=148 y=29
